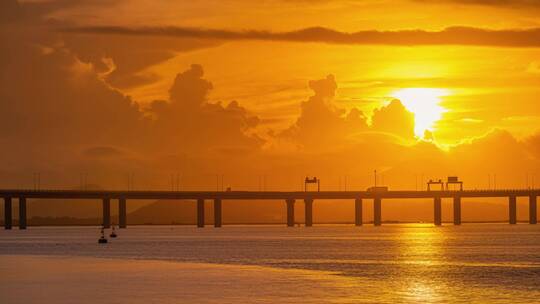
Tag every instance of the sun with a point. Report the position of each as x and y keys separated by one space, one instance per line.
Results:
x=425 y=104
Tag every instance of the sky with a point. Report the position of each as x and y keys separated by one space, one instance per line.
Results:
x=258 y=94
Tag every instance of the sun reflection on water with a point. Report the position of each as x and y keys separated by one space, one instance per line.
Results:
x=421 y=245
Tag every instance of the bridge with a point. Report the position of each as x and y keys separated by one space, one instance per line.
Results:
x=288 y=197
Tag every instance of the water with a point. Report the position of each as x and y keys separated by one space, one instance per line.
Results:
x=476 y=263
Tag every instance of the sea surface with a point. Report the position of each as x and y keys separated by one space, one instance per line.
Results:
x=409 y=263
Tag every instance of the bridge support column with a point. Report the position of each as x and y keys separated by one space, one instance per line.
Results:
x=308 y=204
x=512 y=210
x=8 y=220
x=457 y=210
x=290 y=212
x=200 y=213
x=122 y=213
x=106 y=213
x=377 y=218
x=217 y=212
x=358 y=212
x=437 y=213
x=22 y=213
x=532 y=209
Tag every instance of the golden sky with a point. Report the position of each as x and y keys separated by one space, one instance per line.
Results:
x=157 y=87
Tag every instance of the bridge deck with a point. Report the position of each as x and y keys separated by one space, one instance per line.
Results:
x=260 y=195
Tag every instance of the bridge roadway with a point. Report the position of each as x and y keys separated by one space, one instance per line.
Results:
x=288 y=196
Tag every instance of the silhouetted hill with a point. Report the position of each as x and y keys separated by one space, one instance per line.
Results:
x=245 y=212
x=184 y=212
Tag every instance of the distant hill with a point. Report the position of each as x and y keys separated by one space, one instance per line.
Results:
x=341 y=211
x=184 y=212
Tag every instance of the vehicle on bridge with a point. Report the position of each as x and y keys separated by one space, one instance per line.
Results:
x=378 y=189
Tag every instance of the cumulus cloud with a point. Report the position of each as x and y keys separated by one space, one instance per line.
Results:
x=458 y=35
x=533 y=144
x=395 y=119
x=321 y=123
x=190 y=121
x=61 y=114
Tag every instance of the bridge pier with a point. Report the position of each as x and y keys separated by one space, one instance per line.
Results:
x=22 y=213
x=377 y=218
x=106 y=213
x=308 y=205
x=200 y=213
x=290 y=212
x=358 y=212
x=217 y=213
x=512 y=210
x=437 y=212
x=532 y=209
x=8 y=217
x=122 y=213
x=457 y=210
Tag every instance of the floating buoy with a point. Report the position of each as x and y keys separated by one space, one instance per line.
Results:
x=102 y=239
x=113 y=233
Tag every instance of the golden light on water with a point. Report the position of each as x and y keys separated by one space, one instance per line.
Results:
x=425 y=104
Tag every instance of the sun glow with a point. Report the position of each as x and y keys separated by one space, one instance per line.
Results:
x=425 y=104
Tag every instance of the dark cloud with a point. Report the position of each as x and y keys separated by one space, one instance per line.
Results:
x=450 y=36
x=125 y=58
x=10 y=11
x=62 y=115
x=122 y=60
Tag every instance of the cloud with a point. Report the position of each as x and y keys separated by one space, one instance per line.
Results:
x=122 y=59
x=324 y=126
x=533 y=144
x=493 y=3
x=470 y=36
x=126 y=58
x=190 y=121
x=62 y=116
x=395 y=119
x=321 y=123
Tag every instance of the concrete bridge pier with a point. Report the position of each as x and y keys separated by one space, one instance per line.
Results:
x=22 y=213
x=358 y=212
x=308 y=205
x=377 y=206
x=200 y=213
x=512 y=210
x=8 y=217
x=122 y=213
x=437 y=212
x=217 y=213
x=457 y=210
x=106 y=213
x=532 y=209
x=290 y=212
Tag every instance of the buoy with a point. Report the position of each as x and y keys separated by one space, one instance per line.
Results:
x=102 y=239
x=113 y=233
